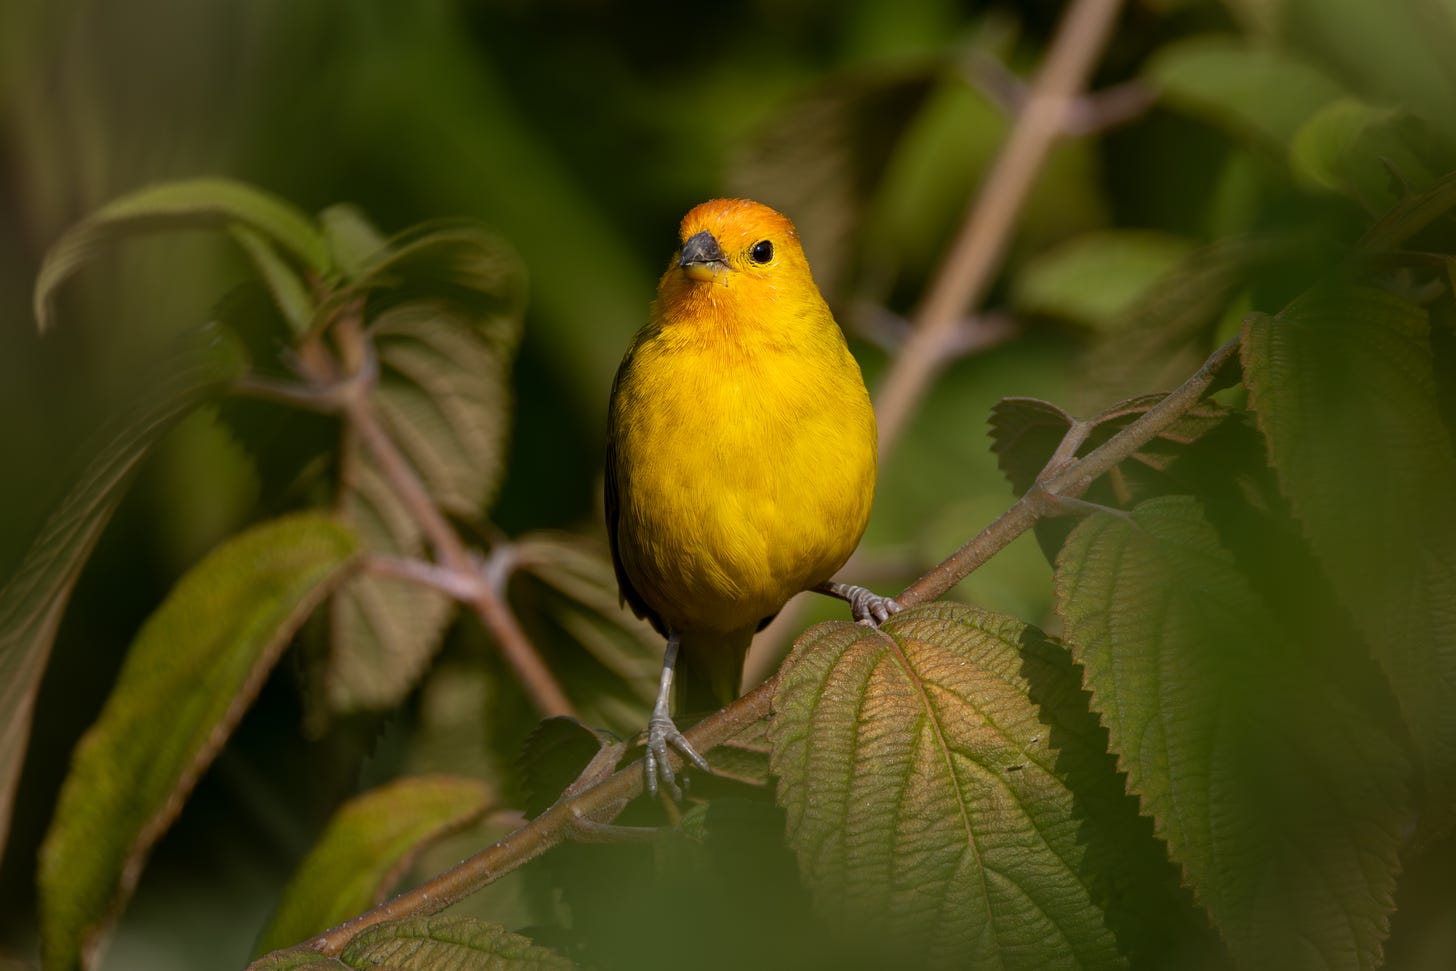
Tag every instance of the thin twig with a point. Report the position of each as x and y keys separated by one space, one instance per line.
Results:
x=1069 y=481
x=464 y=587
x=488 y=604
x=599 y=803
x=971 y=263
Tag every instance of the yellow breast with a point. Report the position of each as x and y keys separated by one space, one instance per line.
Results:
x=749 y=475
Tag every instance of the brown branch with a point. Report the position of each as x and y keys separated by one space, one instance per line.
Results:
x=971 y=263
x=487 y=603
x=1069 y=480
x=599 y=803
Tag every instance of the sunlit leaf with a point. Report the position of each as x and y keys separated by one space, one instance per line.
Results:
x=1092 y=279
x=445 y=342
x=367 y=847
x=1262 y=91
x=195 y=203
x=33 y=599
x=454 y=942
x=1284 y=802
x=1344 y=390
x=194 y=668
x=927 y=799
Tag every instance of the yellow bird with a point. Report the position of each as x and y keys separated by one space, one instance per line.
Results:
x=740 y=457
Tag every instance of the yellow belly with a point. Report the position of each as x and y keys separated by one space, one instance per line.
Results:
x=744 y=481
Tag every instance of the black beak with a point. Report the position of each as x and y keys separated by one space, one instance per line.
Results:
x=701 y=248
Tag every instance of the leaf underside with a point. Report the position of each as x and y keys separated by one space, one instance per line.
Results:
x=451 y=315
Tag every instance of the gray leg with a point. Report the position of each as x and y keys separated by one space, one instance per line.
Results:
x=662 y=732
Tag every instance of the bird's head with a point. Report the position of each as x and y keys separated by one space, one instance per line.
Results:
x=737 y=257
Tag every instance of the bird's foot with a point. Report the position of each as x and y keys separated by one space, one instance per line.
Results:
x=662 y=732
x=866 y=606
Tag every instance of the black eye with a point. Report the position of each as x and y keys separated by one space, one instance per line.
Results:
x=762 y=251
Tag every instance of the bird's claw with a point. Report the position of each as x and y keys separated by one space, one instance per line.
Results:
x=662 y=732
x=868 y=607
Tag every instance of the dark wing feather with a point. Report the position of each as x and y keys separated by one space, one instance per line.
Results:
x=615 y=487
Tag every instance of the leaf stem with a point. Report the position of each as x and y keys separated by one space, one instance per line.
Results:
x=969 y=267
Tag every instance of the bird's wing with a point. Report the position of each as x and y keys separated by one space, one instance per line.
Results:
x=615 y=485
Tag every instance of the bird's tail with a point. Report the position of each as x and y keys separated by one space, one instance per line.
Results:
x=710 y=671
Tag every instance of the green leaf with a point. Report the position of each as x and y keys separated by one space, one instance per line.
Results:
x=1169 y=330
x=1094 y=278
x=1344 y=390
x=1391 y=53
x=34 y=598
x=1284 y=802
x=1411 y=215
x=368 y=845
x=927 y=799
x=1228 y=459
x=566 y=591
x=288 y=291
x=353 y=240
x=192 y=671
x=195 y=203
x=1359 y=150
x=454 y=299
x=1260 y=91
x=459 y=943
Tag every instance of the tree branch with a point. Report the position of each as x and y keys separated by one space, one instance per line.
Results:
x=1068 y=478
x=970 y=265
x=601 y=802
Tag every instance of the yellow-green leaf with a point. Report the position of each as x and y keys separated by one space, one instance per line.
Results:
x=926 y=792
x=1094 y=278
x=192 y=671
x=366 y=848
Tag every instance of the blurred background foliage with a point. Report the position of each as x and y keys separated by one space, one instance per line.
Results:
x=580 y=131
